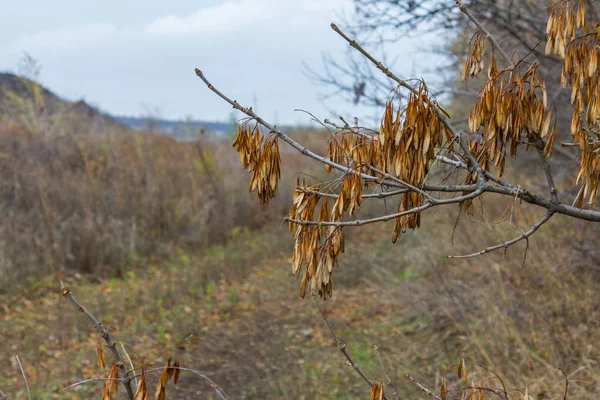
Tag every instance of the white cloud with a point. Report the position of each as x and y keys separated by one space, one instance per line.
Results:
x=226 y=17
x=213 y=22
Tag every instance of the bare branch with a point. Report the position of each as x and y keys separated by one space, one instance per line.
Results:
x=88 y=380
x=128 y=359
x=547 y=171
x=488 y=35
x=507 y=244
x=105 y=335
x=342 y=347
x=387 y=376
x=423 y=388
x=24 y=377
x=3 y=396
x=358 y=222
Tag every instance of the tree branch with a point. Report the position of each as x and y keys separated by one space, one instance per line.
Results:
x=423 y=388
x=126 y=379
x=488 y=35
x=387 y=376
x=509 y=243
x=342 y=347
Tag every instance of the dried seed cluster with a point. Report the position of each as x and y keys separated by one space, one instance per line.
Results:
x=170 y=370
x=581 y=72
x=566 y=16
x=407 y=140
x=260 y=155
x=111 y=386
x=317 y=248
x=474 y=64
x=511 y=109
x=348 y=146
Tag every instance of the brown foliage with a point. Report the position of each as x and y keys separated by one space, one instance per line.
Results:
x=95 y=204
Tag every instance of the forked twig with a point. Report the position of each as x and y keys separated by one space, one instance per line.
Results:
x=507 y=244
x=126 y=379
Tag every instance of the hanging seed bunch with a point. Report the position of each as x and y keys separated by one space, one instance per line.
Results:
x=348 y=147
x=407 y=141
x=581 y=72
x=474 y=64
x=260 y=155
x=566 y=16
x=511 y=109
x=316 y=248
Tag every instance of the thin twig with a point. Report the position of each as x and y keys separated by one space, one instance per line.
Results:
x=360 y=222
x=387 y=376
x=423 y=388
x=24 y=377
x=3 y=396
x=105 y=335
x=88 y=380
x=128 y=359
x=509 y=243
x=488 y=35
x=539 y=145
x=342 y=347
x=160 y=354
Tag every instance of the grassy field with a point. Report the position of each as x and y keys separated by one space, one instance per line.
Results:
x=254 y=336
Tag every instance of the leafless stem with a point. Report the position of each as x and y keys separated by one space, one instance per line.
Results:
x=359 y=222
x=387 y=376
x=88 y=380
x=488 y=35
x=423 y=388
x=377 y=195
x=24 y=377
x=342 y=347
x=129 y=359
x=506 y=245
x=126 y=379
x=546 y=167
x=3 y=396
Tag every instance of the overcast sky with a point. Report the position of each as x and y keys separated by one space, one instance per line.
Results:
x=128 y=57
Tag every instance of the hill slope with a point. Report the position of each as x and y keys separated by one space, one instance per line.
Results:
x=27 y=103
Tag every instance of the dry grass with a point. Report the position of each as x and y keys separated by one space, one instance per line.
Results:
x=98 y=204
x=160 y=240
x=257 y=339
